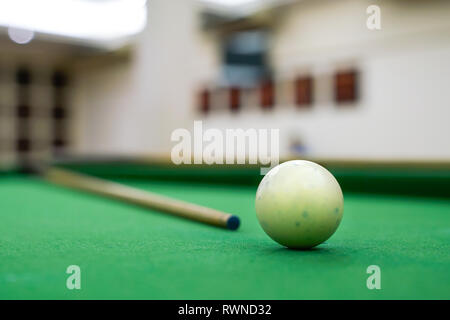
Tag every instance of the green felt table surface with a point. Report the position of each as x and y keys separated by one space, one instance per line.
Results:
x=127 y=252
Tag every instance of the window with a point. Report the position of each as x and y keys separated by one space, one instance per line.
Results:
x=304 y=91
x=267 y=94
x=204 y=101
x=235 y=99
x=345 y=87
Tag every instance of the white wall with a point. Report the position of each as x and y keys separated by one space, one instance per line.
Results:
x=405 y=73
x=133 y=107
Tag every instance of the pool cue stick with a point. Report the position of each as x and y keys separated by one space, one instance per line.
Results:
x=140 y=197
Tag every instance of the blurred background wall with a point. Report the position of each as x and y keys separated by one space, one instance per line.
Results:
x=130 y=100
x=405 y=71
x=134 y=105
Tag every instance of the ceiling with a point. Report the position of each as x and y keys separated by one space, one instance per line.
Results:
x=69 y=20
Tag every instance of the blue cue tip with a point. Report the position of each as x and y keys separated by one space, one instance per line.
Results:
x=233 y=223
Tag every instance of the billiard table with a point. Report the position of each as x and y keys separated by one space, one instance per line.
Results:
x=396 y=216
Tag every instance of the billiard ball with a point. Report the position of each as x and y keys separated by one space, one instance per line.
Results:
x=299 y=204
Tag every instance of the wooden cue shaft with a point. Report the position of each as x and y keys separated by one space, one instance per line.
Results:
x=142 y=198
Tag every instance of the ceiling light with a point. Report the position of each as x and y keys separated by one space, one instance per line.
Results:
x=98 y=21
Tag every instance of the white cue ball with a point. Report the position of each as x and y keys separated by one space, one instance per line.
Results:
x=299 y=204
